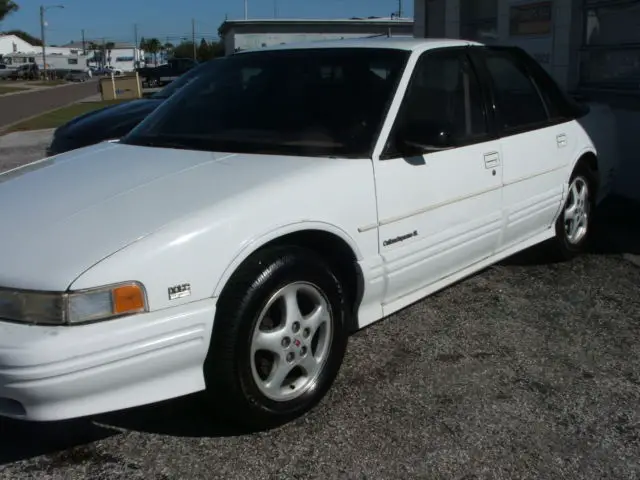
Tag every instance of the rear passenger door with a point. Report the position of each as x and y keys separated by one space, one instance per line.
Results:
x=536 y=143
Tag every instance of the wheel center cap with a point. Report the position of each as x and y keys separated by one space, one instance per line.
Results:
x=297 y=343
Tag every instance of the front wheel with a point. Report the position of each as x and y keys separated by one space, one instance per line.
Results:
x=573 y=226
x=279 y=337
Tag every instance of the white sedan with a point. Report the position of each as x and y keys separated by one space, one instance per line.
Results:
x=283 y=199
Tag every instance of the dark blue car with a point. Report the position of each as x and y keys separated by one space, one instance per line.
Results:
x=114 y=121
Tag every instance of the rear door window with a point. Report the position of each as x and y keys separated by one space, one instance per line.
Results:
x=518 y=100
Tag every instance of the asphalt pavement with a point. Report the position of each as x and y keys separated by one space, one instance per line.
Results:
x=529 y=369
x=14 y=108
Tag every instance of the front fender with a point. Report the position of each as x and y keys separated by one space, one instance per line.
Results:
x=204 y=247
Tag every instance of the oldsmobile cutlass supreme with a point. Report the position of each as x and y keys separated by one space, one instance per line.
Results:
x=281 y=200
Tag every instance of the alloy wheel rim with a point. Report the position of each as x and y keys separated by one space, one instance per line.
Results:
x=577 y=211
x=291 y=341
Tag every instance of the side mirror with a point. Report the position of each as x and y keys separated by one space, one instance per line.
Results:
x=425 y=137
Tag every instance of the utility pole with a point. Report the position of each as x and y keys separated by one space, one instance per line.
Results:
x=193 y=37
x=44 y=43
x=246 y=10
x=42 y=35
x=275 y=8
x=399 y=9
x=135 y=45
x=84 y=45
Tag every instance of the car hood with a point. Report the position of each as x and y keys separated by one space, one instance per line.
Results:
x=64 y=214
x=110 y=119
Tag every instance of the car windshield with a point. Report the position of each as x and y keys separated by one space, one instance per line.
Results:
x=308 y=102
x=180 y=82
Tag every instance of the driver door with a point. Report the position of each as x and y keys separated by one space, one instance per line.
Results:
x=439 y=180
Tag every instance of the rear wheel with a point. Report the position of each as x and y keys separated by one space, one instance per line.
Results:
x=279 y=337
x=573 y=226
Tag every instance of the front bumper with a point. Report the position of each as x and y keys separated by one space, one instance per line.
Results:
x=55 y=373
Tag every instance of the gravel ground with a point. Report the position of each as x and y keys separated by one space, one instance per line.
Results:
x=526 y=370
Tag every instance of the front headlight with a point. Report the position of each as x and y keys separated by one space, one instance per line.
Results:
x=72 y=308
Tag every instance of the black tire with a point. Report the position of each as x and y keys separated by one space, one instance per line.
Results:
x=228 y=367
x=563 y=248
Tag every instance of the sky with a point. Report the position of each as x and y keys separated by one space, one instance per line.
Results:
x=114 y=20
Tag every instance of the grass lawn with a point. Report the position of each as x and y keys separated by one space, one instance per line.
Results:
x=61 y=116
x=49 y=83
x=4 y=90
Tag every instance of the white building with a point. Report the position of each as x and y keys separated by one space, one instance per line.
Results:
x=247 y=34
x=14 y=44
x=123 y=55
x=21 y=51
x=592 y=47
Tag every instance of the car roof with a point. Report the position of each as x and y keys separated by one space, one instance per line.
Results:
x=397 y=43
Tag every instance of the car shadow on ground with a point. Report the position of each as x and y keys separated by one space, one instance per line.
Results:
x=23 y=440
x=615 y=231
x=190 y=416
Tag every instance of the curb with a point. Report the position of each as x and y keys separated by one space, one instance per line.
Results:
x=33 y=133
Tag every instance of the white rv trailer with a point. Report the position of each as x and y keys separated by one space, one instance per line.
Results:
x=55 y=61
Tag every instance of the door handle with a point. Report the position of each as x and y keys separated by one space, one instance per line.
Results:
x=561 y=140
x=491 y=160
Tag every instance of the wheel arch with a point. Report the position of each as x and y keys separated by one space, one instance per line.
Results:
x=589 y=158
x=333 y=244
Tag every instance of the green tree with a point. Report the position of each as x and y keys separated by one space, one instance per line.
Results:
x=183 y=50
x=217 y=49
x=210 y=50
x=97 y=53
x=203 y=52
x=30 y=39
x=7 y=7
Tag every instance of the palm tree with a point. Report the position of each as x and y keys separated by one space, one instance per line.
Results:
x=92 y=47
x=108 y=47
x=154 y=46
x=7 y=7
x=142 y=51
